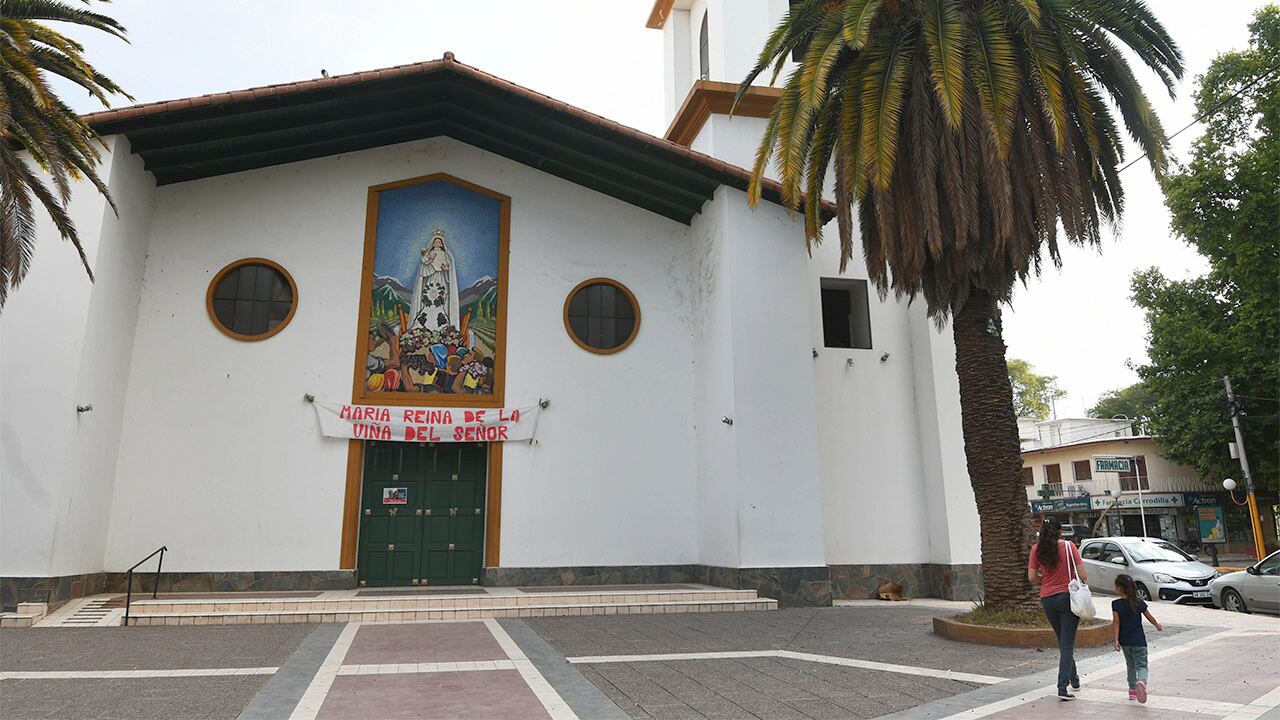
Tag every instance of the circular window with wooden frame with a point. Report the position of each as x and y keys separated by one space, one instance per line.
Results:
x=602 y=316
x=252 y=299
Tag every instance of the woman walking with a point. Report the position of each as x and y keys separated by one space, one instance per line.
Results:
x=1053 y=563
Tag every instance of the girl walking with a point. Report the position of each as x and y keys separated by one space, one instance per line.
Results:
x=1053 y=563
x=1127 y=612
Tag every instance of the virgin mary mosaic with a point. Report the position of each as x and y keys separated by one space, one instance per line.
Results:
x=433 y=315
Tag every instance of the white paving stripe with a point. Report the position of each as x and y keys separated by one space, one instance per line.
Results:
x=426 y=667
x=124 y=674
x=1258 y=707
x=313 y=698
x=1161 y=702
x=555 y=705
x=809 y=657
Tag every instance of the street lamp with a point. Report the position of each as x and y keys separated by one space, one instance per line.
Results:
x=1249 y=502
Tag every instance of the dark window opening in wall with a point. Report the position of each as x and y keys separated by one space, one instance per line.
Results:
x=1053 y=474
x=704 y=51
x=846 y=314
x=1082 y=470
x=1028 y=477
x=1129 y=481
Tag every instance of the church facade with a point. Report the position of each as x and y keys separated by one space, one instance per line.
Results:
x=422 y=326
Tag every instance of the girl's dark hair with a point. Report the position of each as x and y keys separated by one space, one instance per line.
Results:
x=1047 y=547
x=1127 y=588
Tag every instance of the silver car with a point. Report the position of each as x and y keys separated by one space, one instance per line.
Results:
x=1255 y=589
x=1159 y=569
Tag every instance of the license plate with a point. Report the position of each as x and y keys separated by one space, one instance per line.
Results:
x=1200 y=594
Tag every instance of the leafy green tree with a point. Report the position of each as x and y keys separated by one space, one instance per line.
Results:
x=964 y=134
x=38 y=122
x=1134 y=402
x=1033 y=394
x=1225 y=202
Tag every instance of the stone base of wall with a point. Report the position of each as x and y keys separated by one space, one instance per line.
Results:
x=948 y=582
x=790 y=586
x=56 y=591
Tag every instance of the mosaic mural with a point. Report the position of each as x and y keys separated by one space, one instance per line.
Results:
x=433 y=315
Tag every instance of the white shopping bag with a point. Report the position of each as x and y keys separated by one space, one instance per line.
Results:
x=1081 y=598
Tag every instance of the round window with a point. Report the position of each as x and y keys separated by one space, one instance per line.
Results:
x=602 y=316
x=252 y=299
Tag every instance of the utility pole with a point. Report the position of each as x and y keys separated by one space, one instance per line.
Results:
x=1244 y=468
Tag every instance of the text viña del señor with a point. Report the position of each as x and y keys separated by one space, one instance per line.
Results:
x=429 y=425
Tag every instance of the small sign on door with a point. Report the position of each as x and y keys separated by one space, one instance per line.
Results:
x=395 y=496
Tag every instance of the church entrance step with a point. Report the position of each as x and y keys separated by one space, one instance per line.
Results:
x=448 y=612
x=442 y=603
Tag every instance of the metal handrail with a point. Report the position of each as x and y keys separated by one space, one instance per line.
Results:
x=155 y=591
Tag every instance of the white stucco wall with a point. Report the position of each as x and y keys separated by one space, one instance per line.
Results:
x=222 y=460
x=871 y=467
x=65 y=341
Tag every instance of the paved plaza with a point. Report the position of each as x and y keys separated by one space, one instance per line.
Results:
x=859 y=661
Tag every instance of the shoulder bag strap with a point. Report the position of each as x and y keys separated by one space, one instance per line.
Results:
x=1071 y=558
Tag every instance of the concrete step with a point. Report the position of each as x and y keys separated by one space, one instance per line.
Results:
x=211 y=604
x=296 y=613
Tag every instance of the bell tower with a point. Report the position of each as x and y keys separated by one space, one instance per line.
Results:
x=709 y=47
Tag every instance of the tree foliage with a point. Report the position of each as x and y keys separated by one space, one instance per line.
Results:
x=1226 y=203
x=37 y=121
x=967 y=133
x=1134 y=402
x=1033 y=394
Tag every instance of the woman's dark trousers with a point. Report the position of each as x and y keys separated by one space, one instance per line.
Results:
x=1058 y=609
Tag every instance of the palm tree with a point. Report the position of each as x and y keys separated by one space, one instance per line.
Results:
x=965 y=132
x=37 y=121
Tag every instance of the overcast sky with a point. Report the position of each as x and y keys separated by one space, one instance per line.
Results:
x=1077 y=323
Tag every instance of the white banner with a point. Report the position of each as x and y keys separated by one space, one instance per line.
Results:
x=417 y=424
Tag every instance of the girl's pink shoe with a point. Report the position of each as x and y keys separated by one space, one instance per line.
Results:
x=1133 y=694
x=1142 y=691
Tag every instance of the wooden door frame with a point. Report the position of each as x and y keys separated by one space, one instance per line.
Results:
x=355 y=448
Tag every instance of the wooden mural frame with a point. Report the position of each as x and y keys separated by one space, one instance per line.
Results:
x=360 y=394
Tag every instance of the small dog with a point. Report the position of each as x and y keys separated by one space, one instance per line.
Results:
x=890 y=591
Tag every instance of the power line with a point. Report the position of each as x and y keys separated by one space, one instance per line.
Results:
x=1208 y=112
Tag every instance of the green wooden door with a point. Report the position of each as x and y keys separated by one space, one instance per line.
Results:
x=390 y=526
x=422 y=514
x=453 y=522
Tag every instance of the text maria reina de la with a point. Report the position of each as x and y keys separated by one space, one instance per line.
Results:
x=429 y=425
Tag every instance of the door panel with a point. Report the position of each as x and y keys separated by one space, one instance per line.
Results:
x=422 y=514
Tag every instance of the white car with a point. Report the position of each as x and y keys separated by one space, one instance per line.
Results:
x=1255 y=589
x=1159 y=569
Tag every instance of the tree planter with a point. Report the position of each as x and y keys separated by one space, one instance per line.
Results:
x=1086 y=636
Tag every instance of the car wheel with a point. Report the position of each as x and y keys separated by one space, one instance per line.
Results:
x=1232 y=601
x=1143 y=593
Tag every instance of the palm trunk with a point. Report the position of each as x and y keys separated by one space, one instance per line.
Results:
x=992 y=452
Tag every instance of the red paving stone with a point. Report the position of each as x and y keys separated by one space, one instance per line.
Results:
x=1236 y=669
x=1051 y=708
x=436 y=696
x=426 y=642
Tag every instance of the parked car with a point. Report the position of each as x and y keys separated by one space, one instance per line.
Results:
x=1255 y=589
x=1075 y=533
x=1159 y=569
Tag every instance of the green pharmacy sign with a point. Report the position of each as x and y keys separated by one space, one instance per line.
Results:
x=1105 y=464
